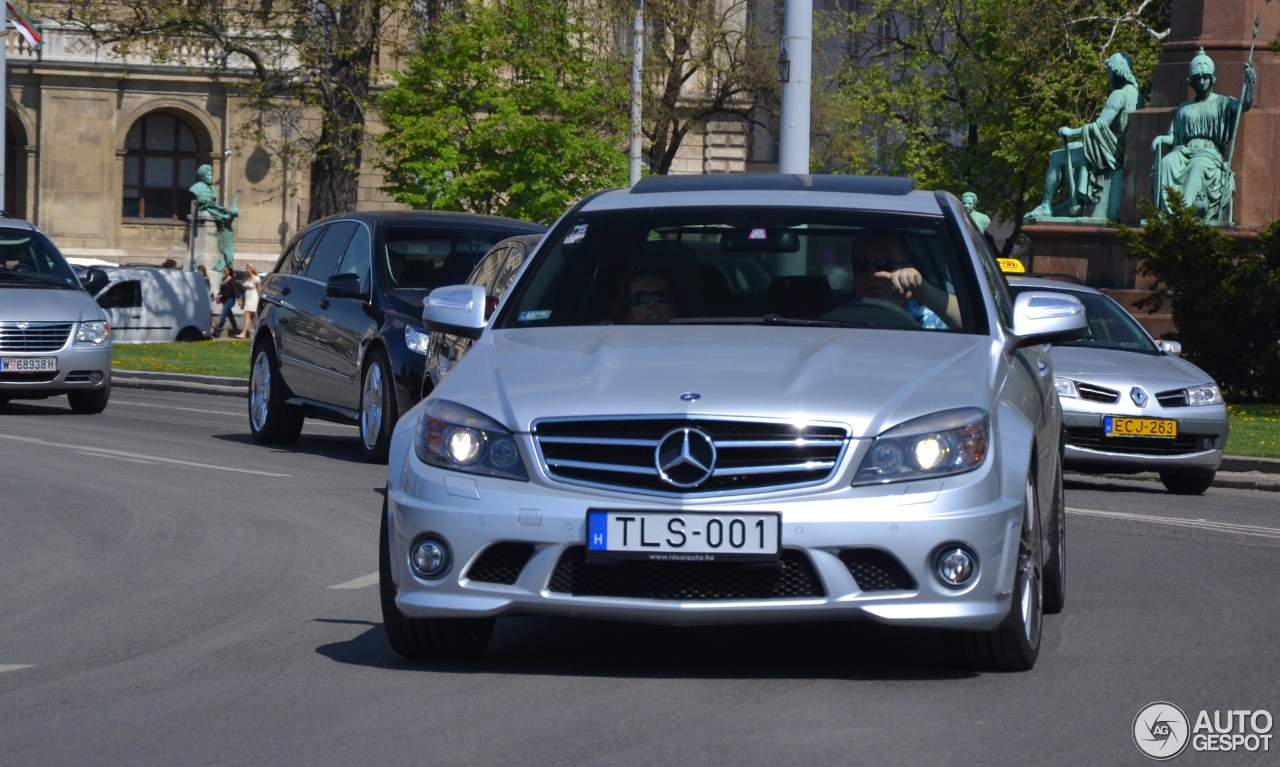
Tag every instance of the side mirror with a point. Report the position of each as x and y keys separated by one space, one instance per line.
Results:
x=94 y=280
x=1047 y=317
x=456 y=309
x=345 y=285
x=1171 y=347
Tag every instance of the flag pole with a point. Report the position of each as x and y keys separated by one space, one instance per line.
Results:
x=4 y=109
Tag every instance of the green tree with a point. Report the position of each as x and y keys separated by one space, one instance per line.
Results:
x=310 y=60
x=968 y=94
x=502 y=109
x=1224 y=293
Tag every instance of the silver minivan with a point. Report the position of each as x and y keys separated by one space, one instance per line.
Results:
x=53 y=336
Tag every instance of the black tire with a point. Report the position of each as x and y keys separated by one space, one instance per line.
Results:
x=1015 y=644
x=271 y=420
x=378 y=411
x=89 y=402
x=1055 y=561
x=189 y=335
x=1188 y=481
x=424 y=639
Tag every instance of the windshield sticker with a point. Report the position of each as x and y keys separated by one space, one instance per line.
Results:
x=576 y=235
x=758 y=234
x=535 y=315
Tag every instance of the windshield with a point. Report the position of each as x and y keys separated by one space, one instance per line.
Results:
x=421 y=258
x=1110 y=326
x=734 y=265
x=29 y=258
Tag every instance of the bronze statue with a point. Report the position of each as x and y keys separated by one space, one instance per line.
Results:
x=207 y=204
x=1201 y=135
x=1090 y=164
x=970 y=202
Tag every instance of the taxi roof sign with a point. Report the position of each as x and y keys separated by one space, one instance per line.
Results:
x=1011 y=266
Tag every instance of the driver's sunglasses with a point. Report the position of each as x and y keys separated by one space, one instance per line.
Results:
x=861 y=265
x=643 y=297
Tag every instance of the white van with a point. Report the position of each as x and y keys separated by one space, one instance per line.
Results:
x=154 y=305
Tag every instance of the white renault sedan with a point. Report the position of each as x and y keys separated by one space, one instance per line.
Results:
x=739 y=399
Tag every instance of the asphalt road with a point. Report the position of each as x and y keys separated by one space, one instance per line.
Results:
x=172 y=593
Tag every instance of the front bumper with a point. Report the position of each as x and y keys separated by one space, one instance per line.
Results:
x=849 y=553
x=80 y=368
x=1201 y=440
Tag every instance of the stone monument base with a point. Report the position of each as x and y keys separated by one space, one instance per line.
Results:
x=205 y=250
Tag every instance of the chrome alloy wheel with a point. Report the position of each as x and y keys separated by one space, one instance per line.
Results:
x=259 y=391
x=371 y=399
x=1029 y=585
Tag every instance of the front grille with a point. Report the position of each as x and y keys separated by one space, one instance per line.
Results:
x=501 y=563
x=1172 y=398
x=1092 y=438
x=1095 y=393
x=43 y=376
x=35 y=337
x=791 y=577
x=877 y=570
x=750 y=455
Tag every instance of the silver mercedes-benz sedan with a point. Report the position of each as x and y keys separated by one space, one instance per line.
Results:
x=1130 y=403
x=739 y=399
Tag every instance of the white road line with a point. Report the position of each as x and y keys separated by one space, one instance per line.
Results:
x=118 y=401
x=14 y=667
x=114 y=457
x=104 y=453
x=1256 y=531
x=363 y=581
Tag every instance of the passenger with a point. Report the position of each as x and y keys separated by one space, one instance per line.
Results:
x=647 y=299
x=883 y=269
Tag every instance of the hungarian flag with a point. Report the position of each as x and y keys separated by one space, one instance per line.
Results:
x=23 y=24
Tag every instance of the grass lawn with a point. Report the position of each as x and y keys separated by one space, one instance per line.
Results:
x=1255 y=429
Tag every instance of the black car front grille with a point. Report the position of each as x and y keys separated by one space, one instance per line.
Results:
x=620 y=453
x=33 y=336
x=791 y=577
x=1173 y=398
x=501 y=563
x=1092 y=438
x=877 y=570
x=1095 y=393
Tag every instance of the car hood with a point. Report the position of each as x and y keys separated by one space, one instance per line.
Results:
x=868 y=379
x=47 y=304
x=1103 y=366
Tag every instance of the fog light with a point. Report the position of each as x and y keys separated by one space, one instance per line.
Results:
x=955 y=566
x=430 y=558
x=95 y=377
x=1206 y=443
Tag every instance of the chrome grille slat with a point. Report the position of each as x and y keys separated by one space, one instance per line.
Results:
x=1096 y=393
x=35 y=337
x=620 y=453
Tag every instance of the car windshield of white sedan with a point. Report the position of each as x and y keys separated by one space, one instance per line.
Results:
x=771 y=266
x=1110 y=326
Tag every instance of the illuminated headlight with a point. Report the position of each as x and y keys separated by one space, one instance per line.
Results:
x=938 y=445
x=1204 y=395
x=1065 y=386
x=416 y=339
x=92 y=332
x=458 y=438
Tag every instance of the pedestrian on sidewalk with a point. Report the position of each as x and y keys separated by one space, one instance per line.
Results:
x=230 y=294
x=250 y=299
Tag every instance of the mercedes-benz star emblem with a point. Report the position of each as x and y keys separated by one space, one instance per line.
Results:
x=685 y=457
x=1139 y=396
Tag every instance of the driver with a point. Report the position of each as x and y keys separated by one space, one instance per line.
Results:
x=883 y=270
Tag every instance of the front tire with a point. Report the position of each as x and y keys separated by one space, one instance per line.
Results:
x=378 y=411
x=1015 y=643
x=424 y=639
x=1055 y=564
x=1188 y=481
x=89 y=402
x=271 y=420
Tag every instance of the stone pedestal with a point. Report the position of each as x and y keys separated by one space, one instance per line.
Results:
x=205 y=247
x=1224 y=28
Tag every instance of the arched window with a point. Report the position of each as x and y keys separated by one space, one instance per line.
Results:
x=159 y=165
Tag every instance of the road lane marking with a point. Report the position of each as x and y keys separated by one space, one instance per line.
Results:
x=1256 y=531
x=114 y=457
x=362 y=582
x=14 y=667
x=230 y=413
x=104 y=453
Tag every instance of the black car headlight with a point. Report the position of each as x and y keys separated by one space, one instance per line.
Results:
x=937 y=445
x=457 y=438
x=416 y=339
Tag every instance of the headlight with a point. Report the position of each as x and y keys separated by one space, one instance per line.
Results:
x=938 y=445
x=1204 y=395
x=416 y=339
x=92 y=332
x=1065 y=386
x=458 y=438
